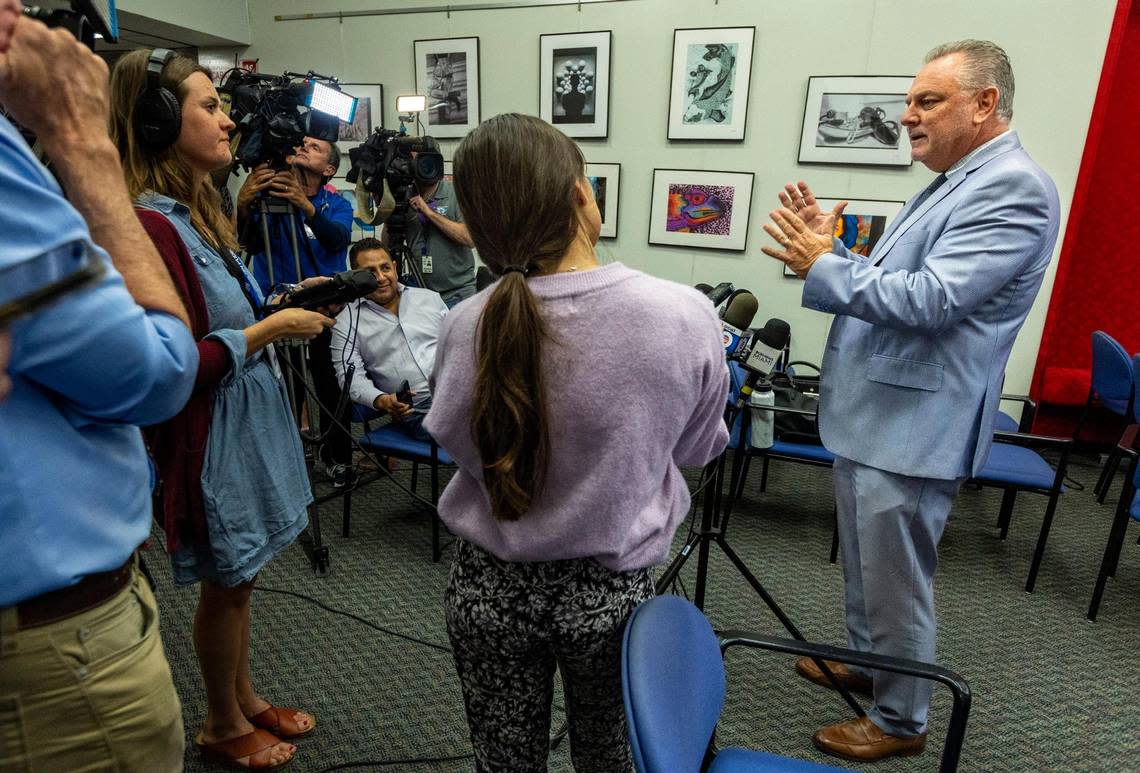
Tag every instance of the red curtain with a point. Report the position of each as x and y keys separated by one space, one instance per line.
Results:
x=1098 y=281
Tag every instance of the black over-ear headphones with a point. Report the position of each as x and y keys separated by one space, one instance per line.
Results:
x=158 y=116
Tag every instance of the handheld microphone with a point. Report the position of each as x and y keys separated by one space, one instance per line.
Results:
x=738 y=314
x=343 y=287
x=719 y=293
x=704 y=288
x=768 y=344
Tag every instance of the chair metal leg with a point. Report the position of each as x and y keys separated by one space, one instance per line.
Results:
x=743 y=477
x=344 y=529
x=1006 y=512
x=1039 y=553
x=764 y=475
x=1108 y=475
x=1111 y=556
x=835 y=534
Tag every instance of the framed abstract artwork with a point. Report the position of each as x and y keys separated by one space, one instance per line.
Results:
x=698 y=208
x=861 y=225
x=447 y=73
x=574 y=82
x=708 y=90
x=606 y=181
x=854 y=119
x=369 y=113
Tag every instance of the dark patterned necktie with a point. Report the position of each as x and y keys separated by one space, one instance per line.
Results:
x=935 y=184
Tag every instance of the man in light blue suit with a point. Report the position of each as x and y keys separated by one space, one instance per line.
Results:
x=914 y=363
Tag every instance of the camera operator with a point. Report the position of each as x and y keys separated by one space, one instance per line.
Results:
x=439 y=241
x=235 y=487
x=323 y=227
x=84 y=679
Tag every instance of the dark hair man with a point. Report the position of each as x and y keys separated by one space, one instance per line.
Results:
x=322 y=225
x=77 y=619
x=390 y=336
x=914 y=363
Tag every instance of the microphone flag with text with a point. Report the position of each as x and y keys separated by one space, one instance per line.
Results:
x=738 y=314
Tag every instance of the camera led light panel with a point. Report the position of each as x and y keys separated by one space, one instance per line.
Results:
x=334 y=102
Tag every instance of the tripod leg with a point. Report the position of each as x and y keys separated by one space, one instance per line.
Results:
x=789 y=626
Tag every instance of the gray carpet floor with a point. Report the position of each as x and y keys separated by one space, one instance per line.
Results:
x=1051 y=691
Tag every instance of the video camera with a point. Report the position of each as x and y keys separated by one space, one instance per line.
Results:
x=341 y=288
x=85 y=20
x=384 y=166
x=274 y=113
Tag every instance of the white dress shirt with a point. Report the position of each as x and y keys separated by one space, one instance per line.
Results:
x=386 y=348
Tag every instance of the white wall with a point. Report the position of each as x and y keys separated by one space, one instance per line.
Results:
x=217 y=22
x=1057 y=47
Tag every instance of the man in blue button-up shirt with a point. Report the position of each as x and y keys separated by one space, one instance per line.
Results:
x=81 y=662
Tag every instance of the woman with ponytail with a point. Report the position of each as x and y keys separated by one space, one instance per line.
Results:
x=568 y=393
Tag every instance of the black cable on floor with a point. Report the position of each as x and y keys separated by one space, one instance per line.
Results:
x=357 y=618
x=386 y=763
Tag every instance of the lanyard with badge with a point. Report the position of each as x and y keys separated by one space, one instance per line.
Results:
x=425 y=225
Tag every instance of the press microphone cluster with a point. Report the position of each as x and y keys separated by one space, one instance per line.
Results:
x=766 y=346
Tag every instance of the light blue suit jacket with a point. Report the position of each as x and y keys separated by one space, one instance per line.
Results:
x=915 y=359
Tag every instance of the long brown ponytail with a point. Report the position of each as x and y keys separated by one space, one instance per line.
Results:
x=515 y=179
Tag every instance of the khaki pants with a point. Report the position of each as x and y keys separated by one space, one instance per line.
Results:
x=92 y=692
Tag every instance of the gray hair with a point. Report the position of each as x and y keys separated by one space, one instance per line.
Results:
x=984 y=65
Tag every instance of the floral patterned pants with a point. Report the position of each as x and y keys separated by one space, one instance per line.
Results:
x=511 y=625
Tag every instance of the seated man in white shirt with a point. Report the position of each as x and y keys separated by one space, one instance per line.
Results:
x=390 y=337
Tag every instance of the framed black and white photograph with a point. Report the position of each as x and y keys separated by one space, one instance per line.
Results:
x=708 y=90
x=698 y=208
x=855 y=119
x=574 y=82
x=606 y=181
x=447 y=73
x=369 y=113
x=861 y=225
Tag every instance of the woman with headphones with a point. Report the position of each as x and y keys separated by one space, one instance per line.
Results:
x=568 y=393
x=233 y=487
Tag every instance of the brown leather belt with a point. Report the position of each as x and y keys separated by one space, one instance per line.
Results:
x=86 y=594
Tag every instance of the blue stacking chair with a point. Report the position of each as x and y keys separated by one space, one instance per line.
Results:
x=1112 y=385
x=673 y=686
x=1014 y=465
x=1127 y=507
x=390 y=440
x=740 y=442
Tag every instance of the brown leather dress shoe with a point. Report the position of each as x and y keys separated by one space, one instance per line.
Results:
x=807 y=668
x=862 y=740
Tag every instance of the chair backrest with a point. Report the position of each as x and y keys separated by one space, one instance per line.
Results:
x=1111 y=372
x=673 y=684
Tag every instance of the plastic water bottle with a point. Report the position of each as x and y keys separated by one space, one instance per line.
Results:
x=762 y=420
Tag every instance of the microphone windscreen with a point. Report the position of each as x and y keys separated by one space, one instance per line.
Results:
x=483 y=278
x=741 y=309
x=775 y=333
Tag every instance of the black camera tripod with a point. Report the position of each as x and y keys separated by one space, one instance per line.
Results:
x=713 y=531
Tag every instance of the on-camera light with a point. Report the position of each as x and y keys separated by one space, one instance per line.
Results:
x=412 y=103
x=333 y=101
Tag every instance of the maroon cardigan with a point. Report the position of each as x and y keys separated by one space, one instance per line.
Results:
x=178 y=445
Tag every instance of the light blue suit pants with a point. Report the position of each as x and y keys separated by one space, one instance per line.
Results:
x=889 y=527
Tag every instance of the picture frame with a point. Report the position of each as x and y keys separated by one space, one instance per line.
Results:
x=448 y=171
x=369 y=113
x=347 y=191
x=700 y=209
x=606 y=181
x=447 y=73
x=709 y=83
x=574 y=82
x=862 y=224
x=855 y=119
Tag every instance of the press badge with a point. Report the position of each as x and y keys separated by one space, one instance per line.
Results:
x=425 y=263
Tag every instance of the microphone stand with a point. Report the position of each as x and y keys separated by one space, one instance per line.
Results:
x=713 y=531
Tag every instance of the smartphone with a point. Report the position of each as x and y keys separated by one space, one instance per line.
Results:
x=50 y=293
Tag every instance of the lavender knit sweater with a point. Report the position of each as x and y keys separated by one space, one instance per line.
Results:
x=636 y=385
